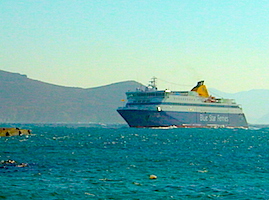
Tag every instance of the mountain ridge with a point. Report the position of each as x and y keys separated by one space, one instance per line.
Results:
x=254 y=107
x=25 y=100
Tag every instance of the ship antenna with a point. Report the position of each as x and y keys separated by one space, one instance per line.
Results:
x=153 y=83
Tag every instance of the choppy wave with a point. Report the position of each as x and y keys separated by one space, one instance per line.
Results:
x=75 y=161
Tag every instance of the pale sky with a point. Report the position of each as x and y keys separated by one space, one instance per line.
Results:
x=89 y=43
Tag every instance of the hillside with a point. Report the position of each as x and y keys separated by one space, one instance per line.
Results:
x=24 y=100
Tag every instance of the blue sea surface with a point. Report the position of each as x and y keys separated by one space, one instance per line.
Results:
x=66 y=161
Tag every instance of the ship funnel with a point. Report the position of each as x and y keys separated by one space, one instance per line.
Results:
x=200 y=88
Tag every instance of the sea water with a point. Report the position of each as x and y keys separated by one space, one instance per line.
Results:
x=65 y=161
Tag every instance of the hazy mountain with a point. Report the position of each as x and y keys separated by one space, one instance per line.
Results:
x=24 y=100
x=254 y=103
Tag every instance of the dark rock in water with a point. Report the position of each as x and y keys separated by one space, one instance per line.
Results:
x=11 y=163
x=6 y=132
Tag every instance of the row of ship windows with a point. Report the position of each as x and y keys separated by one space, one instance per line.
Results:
x=142 y=101
x=187 y=99
x=146 y=94
x=181 y=104
x=148 y=101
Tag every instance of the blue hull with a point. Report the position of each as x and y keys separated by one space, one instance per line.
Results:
x=143 y=118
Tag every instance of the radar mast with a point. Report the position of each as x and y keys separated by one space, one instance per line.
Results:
x=152 y=84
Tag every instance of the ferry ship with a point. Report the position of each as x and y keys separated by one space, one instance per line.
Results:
x=151 y=107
